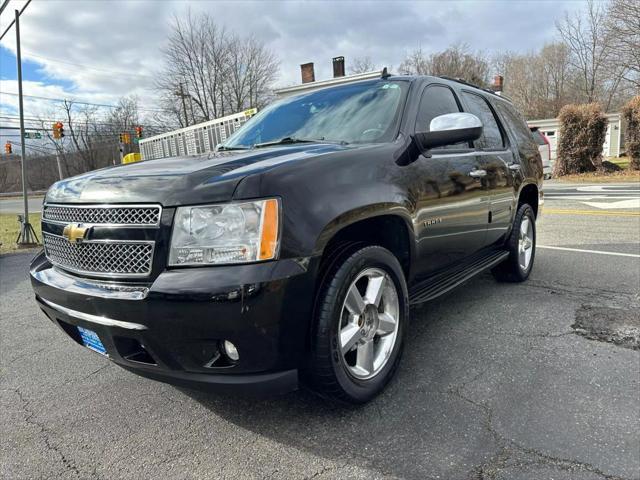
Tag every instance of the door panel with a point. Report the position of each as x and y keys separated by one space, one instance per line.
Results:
x=451 y=211
x=498 y=185
x=494 y=156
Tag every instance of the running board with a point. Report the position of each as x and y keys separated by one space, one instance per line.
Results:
x=441 y=283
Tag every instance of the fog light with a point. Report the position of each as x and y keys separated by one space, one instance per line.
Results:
x=231 y=351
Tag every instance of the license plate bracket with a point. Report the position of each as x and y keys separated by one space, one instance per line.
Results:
x=91 y=340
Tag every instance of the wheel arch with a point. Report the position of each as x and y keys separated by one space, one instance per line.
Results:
x=529 y=194
x=388 y=227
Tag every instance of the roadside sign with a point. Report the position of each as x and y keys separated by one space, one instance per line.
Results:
x=34 y=135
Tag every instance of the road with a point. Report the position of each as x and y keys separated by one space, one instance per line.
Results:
x=16 y=204
x=598 y=217
x=495 y=383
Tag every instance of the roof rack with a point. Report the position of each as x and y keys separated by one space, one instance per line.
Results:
x=464 y=82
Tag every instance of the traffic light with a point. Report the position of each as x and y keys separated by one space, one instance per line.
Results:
x=125 y=138
x=58 y=130
x=121 y=137
x=138 y=132
x=7 y=148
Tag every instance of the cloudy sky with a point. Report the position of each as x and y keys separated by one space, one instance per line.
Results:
x=99 y=50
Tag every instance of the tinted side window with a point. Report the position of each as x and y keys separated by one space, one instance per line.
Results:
x=514 y=122
x=436 y=100
x=520 y=132
x=491 y=135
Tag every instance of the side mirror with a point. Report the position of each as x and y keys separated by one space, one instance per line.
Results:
x=449 y=129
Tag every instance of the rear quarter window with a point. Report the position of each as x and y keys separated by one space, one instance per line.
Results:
x=491 y=135
x=516 y=125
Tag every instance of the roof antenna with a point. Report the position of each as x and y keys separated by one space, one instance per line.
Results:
x=385 y=73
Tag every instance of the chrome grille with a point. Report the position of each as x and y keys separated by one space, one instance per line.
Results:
x=143 y=215
x=102 y=258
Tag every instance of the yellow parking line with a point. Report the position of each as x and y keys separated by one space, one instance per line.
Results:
x=609 y=213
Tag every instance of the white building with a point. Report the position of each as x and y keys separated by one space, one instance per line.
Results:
x=194 y=139
x=613 y=143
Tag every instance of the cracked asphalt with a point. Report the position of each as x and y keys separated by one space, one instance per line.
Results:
x=495 y=383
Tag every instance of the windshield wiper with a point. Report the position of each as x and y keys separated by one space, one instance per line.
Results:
x=222 y=148
x=286 y=141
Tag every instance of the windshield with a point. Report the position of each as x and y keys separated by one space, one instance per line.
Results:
x=364 y=112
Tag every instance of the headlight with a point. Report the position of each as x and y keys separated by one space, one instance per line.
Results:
x=222 y=234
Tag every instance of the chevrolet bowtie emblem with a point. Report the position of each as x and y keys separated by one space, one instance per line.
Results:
x=75 y=232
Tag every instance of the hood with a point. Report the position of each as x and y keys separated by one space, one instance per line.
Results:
x=180 y=180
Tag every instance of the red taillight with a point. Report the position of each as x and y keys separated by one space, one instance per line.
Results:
x=546 y=140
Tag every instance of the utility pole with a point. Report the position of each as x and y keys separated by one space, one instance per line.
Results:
x=27 y=236
x=182 y=95
x=59 y=164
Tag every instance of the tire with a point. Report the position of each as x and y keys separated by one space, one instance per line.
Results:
x=354 y=356
x=512 y=269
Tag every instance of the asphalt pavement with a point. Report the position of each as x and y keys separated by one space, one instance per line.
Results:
x=498 y=381
x=16 y=204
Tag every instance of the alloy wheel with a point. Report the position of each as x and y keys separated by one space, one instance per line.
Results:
x=369 y=322
x=525 y=243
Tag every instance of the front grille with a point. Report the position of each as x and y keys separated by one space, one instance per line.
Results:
x=102 y=258
x=103 y=214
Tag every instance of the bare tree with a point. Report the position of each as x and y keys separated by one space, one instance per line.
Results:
x=91 y=135
x=415 y=62
x=539 y=83
x=591 y=45
x=251 y=70
x=123 y=118
x=459 y=62
x=361 y=65
x=587 y=64
x=210 y=72
x=554 y=62
x=624 y=24
x=456 y=61
x=192 y=75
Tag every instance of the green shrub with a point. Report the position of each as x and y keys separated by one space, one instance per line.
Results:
x=631 y=116
x=583 y=129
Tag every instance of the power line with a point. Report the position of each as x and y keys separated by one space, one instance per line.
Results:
x=90 y=67
x=14 y=21
x=91 y=122
x=60 y=100
x=39 y=121
x=4 y=5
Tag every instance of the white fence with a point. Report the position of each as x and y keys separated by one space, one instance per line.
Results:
x=195 y=139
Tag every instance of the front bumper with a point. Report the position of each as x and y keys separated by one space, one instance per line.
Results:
x=172 y=329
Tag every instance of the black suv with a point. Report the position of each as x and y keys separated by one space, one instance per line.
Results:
x=294 y=253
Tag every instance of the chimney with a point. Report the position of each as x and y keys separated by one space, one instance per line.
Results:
x=498 y=83
x=308 y=75
x=338 y=67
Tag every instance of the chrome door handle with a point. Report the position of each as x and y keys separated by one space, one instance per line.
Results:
x=514 y=167
x=478 y=173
